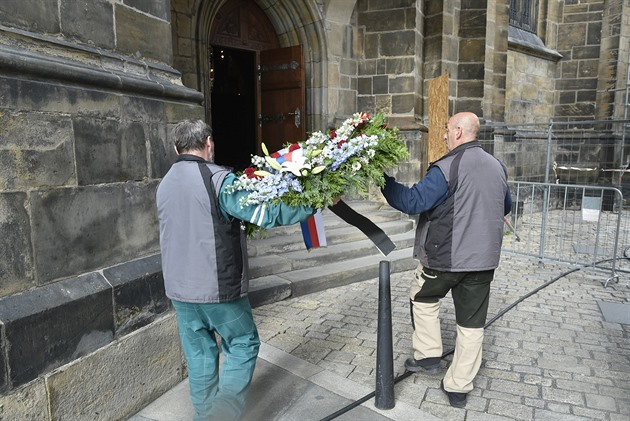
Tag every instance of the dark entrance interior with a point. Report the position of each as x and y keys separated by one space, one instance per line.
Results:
x=233 y=99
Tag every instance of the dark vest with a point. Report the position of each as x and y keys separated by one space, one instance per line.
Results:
x=204 y=256
x=465 y=232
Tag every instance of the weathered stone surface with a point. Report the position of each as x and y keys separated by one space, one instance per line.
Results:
x=402 y=104
x=51 y=97
x=576 y=84
x=139 y=295
x=371 y=46
x=121 y=378
x=4 y=381
x=79 y=229
x=8 y=92
x=473 y=22
x=37 y=16
x=142 y=109
x=159 y=9
x=402 y=84
x=90 y=22
x=137 y=33
x=365 y=86
x=26 y=403
x=366 y=103
x=49 y=326
x=109 y=151
x=35 y=150
x=347 y=100
x=400 y=65
x=176 y=112
x=470 y=88
x=268 y=289
x=471 y=71
x=161 y=149
x=400 y=43
x=472 y=50
x=384 y=20
x=16 y=265
x=575 y=110
x=380 y=84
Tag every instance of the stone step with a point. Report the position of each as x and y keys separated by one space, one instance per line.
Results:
x=281 y=267
x=338 y=234
x=300 y=259
x=280 y=286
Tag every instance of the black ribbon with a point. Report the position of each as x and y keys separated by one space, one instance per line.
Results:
x=367 y=227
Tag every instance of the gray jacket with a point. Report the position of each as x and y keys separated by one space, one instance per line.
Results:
x=203 y=254
x=465 y=232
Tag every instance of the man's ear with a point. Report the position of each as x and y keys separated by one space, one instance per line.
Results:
x=210 y=142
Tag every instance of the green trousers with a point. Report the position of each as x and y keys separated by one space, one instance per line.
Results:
x=218 y=393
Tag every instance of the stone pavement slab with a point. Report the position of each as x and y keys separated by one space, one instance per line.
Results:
x=552 y=356
x=285 y=388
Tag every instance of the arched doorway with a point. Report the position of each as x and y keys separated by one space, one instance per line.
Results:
x=256 y=88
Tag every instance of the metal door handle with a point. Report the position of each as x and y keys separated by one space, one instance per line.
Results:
x=297 y=115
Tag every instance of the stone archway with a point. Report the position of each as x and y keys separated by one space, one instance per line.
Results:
x=326 y=29
x=296 y=22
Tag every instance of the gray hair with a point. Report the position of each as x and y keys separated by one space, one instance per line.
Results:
x=190 y=135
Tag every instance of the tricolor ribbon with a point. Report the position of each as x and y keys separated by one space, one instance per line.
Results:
x=315 y=236
x=313 y=231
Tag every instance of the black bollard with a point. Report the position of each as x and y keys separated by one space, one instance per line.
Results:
x=384 y=394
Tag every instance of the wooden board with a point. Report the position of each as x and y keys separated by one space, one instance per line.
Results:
x=438 y=117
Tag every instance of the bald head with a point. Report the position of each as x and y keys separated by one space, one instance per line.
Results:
x=461 y=128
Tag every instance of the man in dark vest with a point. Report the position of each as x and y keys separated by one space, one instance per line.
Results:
x=204 y=264
x=461 y=202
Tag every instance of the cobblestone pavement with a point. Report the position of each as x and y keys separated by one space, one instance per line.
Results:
x=554 y=356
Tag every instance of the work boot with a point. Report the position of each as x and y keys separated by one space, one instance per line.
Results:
x=458 y=400
x=429 y=365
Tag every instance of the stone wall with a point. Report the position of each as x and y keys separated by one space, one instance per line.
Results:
x=529 y=96
x=579 y=42
x=87 y=96
x=387 y=80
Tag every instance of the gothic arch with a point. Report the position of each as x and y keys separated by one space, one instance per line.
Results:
x=296 y=22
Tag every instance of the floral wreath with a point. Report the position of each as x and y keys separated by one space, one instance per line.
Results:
x=325 y=166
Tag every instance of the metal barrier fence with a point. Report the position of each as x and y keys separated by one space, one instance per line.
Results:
x=577 y=152
x=577 y=224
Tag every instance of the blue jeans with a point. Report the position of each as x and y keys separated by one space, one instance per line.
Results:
x=218 y=395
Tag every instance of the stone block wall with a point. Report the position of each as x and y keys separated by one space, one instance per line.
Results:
x=529 y=95
x=87 y=98
x=387 y=74
x=579 y=42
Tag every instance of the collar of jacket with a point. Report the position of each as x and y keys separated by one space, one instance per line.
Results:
x=460 y=148
x=189 y=157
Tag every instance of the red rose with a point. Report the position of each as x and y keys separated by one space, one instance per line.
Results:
x=340 y=143
x=249 y=172
x=333 y=134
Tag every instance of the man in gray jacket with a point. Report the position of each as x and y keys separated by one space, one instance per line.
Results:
x=204 y=265
x=461 y=202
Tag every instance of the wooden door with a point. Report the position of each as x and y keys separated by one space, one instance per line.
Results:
x=282 y=97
